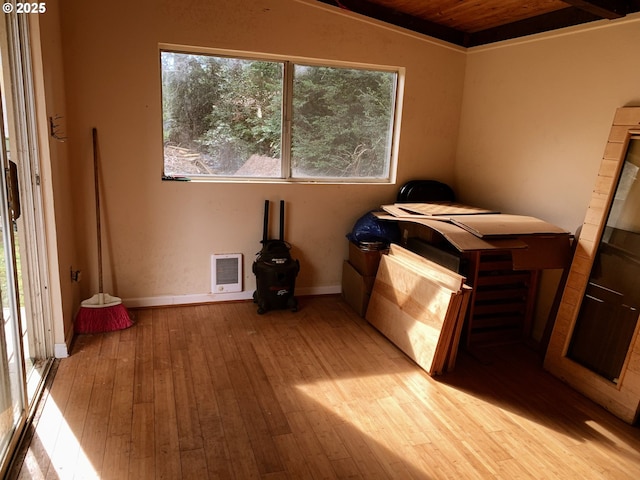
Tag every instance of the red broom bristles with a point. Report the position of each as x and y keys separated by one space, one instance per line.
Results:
x=102 y=319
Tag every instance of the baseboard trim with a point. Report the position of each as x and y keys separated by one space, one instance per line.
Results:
x=60 y=350
x=168 y=300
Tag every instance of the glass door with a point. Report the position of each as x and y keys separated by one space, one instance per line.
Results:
x=12 y=374
x=26 y=347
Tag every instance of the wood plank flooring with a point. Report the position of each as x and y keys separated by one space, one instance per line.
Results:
x=217 y=391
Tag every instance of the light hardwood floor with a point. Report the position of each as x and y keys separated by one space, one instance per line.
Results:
x=217 y=391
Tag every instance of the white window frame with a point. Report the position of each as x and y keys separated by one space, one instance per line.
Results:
x=289 y=64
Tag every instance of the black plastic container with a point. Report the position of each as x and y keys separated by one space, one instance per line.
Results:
x=275 y=270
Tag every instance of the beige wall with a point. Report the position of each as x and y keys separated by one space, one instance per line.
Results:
x=536 y=116
x=160 y=235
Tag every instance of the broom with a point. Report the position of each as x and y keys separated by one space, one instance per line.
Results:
x=102 y=312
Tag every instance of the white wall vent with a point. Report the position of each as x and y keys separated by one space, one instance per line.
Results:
x=226 y=273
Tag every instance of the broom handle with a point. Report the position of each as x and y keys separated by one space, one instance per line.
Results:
x=97 y=190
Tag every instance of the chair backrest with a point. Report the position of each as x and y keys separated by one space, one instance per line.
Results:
x=416 y=191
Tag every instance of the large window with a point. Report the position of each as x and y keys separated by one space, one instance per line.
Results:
x=247 y=118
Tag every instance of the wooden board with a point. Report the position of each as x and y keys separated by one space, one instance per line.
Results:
x=443 y=208
x=543 y=252
x=398 y=212
x=452 y=353
x=465 y=241
x=416 y=310
x=458 y=237
x=504 y=225
x=432 y=270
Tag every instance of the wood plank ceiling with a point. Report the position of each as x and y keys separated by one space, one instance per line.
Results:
x=470 y=23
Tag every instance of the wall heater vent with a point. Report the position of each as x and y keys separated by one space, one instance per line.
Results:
x=226 y=273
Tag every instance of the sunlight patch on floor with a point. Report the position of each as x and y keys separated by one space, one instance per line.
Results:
x=60 y=447
x=616 y=442
x=370 y=417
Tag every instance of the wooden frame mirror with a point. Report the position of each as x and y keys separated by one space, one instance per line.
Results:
x=595 y=343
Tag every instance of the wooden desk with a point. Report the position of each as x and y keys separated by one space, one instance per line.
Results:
x=501 y=260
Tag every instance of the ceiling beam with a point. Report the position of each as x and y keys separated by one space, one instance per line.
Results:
x=567 y=17
x=400 y=19
x=602 y=8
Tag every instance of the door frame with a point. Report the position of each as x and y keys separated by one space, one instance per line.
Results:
x=23 y=84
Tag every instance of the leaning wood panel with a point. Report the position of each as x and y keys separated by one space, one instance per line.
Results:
x=623 y=398
x=419 y=297
x=431 y=269
x=457 y=333
x=447 y=334
x=414 y=312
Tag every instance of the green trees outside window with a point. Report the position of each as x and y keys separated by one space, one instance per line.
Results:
x=223 y=117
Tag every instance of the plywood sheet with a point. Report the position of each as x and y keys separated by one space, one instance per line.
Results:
x=398 y=212
x=505 y=225
x=465 y=241
x=452 y=353
x=432 y=270
x=443 y=209
x=416 y=312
